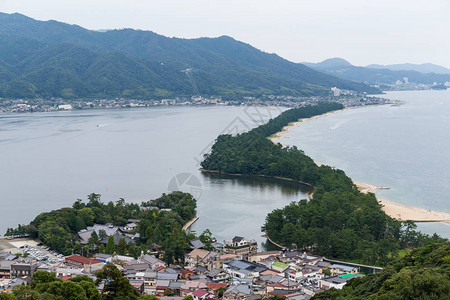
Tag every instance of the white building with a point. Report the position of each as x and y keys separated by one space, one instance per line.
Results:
x=336 y=91
x=65 y=106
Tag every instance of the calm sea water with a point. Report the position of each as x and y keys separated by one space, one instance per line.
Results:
x=48 y=160
x=404 y=147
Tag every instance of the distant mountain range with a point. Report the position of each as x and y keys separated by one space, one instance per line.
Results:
x=381 y=75
x=422 y=68
x=53 y=59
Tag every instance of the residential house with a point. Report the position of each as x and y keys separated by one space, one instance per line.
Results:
x=167 y=276
x=201 y=270
x=284 y=285
x=175 y=287
x=138 y=285
x=62 y=272
x=161 y=286
x=217 y=275
x=322 y=264
x=5 y=268
x=192 y=285
x=201 y=294
x=291 y=256
x=185 y=273
x=152 y=261
x=240 y=246
x=214 y=287
x=136 y=266
x=336 y=282
x=342 y=269
x=150 y=282
x=218 y=260
x=279 y=266
x=238 y=269
x=196 y=244
x=259 y=256
x=103 y=257
x=197 y=257
x=237 y=292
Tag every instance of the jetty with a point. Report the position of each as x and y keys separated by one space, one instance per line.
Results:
x=190 y=223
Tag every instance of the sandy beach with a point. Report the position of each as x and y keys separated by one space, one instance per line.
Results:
x=395 y=210
x=404 y=212
x=280 y=135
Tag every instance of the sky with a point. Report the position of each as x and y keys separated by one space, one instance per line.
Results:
x=361 y=31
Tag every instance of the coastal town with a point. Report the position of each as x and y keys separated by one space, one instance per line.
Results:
x=234 y=269
x=345 y=97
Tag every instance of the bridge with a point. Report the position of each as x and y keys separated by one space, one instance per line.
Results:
x=333 y=260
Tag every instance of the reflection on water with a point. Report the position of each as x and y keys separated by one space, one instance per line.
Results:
x=284 y=187
x=238 y=205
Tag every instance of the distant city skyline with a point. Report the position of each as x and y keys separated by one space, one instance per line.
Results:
x=362 y=32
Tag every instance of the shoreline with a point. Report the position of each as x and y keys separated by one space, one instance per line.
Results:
x=395 y=210
x=403 y=212
x=255 y=175
x=190 y=223
x=287 y=128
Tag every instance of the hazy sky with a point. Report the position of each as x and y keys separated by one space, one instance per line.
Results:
x=361 y=31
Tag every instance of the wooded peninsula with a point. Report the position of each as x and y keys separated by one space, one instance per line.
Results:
x=339 y=221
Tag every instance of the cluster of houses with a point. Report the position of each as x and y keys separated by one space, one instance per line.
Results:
x=232 y=270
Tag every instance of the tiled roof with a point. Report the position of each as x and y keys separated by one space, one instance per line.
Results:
x=65 y=278
x=215 y=285
x=196 y=244
x=82 y=259
x=200 y=253
x=237 y=239
x=264 y=253
x=200 y=293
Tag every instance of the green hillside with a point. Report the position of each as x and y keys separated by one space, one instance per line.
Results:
x=53 y=59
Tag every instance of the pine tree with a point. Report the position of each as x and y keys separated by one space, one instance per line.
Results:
x=110 y=246
x=122 y=247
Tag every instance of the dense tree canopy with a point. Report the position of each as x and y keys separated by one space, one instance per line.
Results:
x=45 y=285
x=58 y=228
x=424 y=273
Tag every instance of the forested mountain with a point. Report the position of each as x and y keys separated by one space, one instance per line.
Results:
x=53 y=59
x=341 y=68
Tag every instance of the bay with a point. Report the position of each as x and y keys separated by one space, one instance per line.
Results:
x=48 y=160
